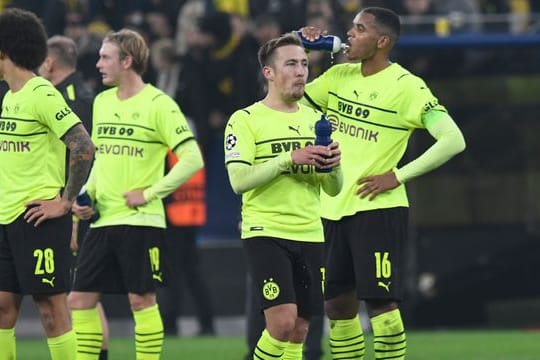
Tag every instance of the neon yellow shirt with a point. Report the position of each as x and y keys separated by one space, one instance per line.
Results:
x=372 y=119
x=32 y=155
x=132 y=137
x=288 y=206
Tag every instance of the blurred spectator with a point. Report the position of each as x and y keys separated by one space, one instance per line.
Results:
x=233 y=7
x=495 y=7
x=230 y=69
x=290 y=13
x=113 y=12
x=166 y=66
x=187 y=30
x=88 y=45
x=51 y=12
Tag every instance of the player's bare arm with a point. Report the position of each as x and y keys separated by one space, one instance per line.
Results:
x=80 y=159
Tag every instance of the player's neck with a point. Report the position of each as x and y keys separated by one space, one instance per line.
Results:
x=280 y=105
x=374 y=65
x=17 y=77
x=130 y=86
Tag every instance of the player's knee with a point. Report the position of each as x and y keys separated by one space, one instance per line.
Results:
x=281 y=326
x=82 y=301
x=140 y=302
x=377 y=307
x=341 y=308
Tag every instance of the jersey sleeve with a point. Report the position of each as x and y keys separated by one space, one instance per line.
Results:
x=53 y=111
x=239 y=141
x=417 y=101
x=171 y=123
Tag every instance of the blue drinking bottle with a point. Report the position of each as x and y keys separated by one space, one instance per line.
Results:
x=330 y=43
x=83 y=199
x=323 y=131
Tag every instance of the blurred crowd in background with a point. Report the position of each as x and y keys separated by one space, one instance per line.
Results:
x=203 y=52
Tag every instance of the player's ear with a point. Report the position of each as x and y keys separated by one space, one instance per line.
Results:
x=2 y=55
x=268 y=73
x=127 y=62
x=384 y=41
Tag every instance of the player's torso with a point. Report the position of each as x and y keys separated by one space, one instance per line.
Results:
x=368 y=122
x=32 y=156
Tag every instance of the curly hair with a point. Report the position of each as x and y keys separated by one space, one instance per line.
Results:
x=23 y=38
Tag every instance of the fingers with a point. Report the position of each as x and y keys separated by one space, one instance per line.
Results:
x=37 y=214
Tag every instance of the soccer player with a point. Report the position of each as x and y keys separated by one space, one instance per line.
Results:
x=271 y=161
x=374 y=105
x=60 y=68
x=134 y=125
x=36 y=125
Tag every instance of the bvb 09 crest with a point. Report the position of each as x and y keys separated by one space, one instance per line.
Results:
x=270 y=289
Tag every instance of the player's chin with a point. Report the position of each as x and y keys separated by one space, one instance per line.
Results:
x=297 y=93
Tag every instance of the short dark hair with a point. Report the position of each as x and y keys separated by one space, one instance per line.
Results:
x=64 y=49
x=387 y=20
x=131 y=43
x=23 y=38
x=268 y=49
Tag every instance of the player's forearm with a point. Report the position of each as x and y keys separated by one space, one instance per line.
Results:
x=332 y=182
x=190 y=162
x=449 y=142
x=245 y=177
x=81 y=154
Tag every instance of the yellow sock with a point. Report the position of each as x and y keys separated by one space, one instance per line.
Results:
x=389 y=340
x=347 y=339
x=293 y=351
x=63 y=347
x=87 y=326
x=269 y=348
x=148 y=333
x=7 y=344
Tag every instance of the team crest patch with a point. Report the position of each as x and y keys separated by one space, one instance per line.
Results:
x=230 y=142
x=270 y=289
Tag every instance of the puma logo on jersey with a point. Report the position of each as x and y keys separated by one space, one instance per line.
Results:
x=297 y=129
x=157 y=277
x=385 y=286
x=47 y=281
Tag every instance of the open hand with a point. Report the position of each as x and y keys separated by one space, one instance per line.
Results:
x=41 y=210
x=374 y=185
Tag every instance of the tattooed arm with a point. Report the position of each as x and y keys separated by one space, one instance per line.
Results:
x=81 y=153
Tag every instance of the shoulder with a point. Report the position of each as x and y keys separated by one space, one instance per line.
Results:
x=405 y=79
x=39 y=86
x=249 y=112
x=107 y=95
x=343 y=70
x=309 y=111
x=158 y=99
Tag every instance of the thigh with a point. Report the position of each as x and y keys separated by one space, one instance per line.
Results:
x=97 y=269
x=270 y=265
x=339 y=267
x=308 y=278
x=377 y=245
x=141 y=258
x=36 y=260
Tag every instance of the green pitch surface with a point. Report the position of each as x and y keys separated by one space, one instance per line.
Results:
x=435 y=345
